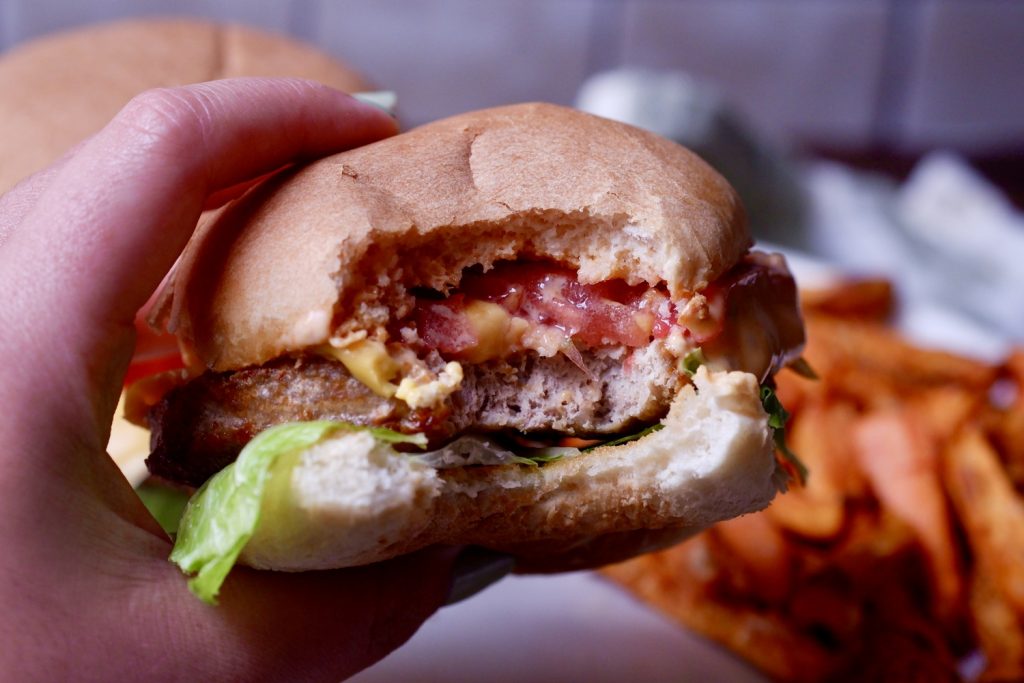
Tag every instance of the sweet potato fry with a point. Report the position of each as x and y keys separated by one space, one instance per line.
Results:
x=811 y=516
x=902 y=464
x=991 y=512
x=1008 y=434
x=945 y=409
x=1014 y=367
x=672 y=580
x=870 y=299
x=872 y=541
x=1004 y=422
x=1000 y=631
x=794 y=390
x=754 y=558
x=901 y=644
x=916 y=457
x=879 y=351
x=820 y=435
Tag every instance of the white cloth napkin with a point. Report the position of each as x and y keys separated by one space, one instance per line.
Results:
x=950 y=241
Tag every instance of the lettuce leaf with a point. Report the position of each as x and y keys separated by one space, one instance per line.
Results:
x=801 y=367
x=475 y=449
x=629 y=437
x=778 y=416
x=540 y=456
x=166 y=504
x=693 y=360
x=223 y=514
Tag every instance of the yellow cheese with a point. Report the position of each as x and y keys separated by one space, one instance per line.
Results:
x=496 y=331
x=369 y=362
x=427 y=393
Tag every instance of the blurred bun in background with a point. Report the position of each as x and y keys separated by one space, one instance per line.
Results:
x=59 y=89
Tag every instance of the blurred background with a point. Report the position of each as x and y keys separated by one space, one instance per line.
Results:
x=879 y=142
x=847 y=77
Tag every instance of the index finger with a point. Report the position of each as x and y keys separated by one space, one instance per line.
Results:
x=114 y=218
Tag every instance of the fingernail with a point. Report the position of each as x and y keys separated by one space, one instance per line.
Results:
x=474 y=570
x=385 y=100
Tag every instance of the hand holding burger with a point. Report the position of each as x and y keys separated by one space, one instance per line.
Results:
x=85 y=585
x=526 y=328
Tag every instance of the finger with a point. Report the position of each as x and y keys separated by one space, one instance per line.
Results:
x=311 y=626
x=105 y=586
x=16 y=203
x=115 y=217
x=130 y=198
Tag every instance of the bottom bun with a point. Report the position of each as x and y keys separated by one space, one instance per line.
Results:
x=543 y=557
x=351 y=500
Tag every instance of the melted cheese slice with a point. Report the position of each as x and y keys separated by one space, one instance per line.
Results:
x=369 y=362
x=496 y=331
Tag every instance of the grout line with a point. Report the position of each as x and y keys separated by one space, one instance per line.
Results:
x=605 y=41
x=900 y=43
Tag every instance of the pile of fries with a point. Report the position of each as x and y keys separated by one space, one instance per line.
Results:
x=902 y=559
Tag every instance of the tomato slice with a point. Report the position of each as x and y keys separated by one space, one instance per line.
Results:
x=610 y=312
x=441 y=325
x=154 y=353
x=750 y=308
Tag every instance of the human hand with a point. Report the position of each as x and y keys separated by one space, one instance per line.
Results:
x=86 y=588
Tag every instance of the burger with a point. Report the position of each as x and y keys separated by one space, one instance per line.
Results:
x=524 y=328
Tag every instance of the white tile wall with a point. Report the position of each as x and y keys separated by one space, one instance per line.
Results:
x=796 y=68
x=809 y=69
x=26 y=19
x=966 y=87
x=451 y=55
x=7 y=13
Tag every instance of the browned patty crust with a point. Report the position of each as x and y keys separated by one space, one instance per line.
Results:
x=199 y=428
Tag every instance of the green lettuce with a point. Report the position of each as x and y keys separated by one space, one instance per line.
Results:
x=778 y=416
x=166 y=504
x=541 y=456
x=801 y=367
x=693 y=360
x=223 y=514
x=629 y=437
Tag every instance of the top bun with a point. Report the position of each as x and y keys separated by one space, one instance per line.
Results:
x=60 y=89
x=332 y=247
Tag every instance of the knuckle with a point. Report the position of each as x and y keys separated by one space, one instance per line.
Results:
x=168 y=119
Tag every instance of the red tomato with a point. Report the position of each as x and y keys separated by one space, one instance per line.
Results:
x=442 y=326
x=154 y=352
x=604 y=313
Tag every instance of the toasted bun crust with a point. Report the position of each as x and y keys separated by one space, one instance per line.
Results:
x=348 y=501
x=337 y=242
x=60 y=89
